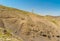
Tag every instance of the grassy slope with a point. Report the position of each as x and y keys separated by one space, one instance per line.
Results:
x=9 y=35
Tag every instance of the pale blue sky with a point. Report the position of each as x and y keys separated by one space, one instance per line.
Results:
x=44 y=7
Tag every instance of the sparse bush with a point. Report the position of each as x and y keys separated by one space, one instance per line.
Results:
x=58 y=36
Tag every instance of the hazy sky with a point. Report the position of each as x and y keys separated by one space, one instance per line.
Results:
x=45 y=7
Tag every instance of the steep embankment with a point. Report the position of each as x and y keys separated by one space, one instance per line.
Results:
x=28 y=26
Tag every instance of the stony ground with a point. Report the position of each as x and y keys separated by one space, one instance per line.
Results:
x=6 y=36
x=28 y=26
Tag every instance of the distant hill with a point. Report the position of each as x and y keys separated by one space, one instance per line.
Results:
x=28 y=26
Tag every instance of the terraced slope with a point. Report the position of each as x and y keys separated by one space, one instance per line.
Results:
x=29 y=27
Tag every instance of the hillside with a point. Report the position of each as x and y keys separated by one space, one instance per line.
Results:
x=27 y=26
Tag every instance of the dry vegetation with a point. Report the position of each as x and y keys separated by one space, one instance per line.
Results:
x=19 y=24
